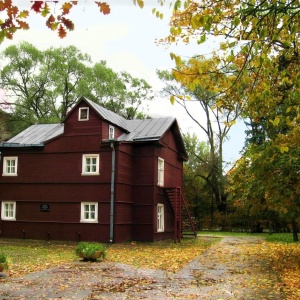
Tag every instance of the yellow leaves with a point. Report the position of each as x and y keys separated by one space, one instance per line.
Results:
x=285 y=260
x=157 y=13
x=140 y=3
x=177 y=59
x=171 y=256
x=284 y=149
x=229 y=124
x=175 y=30
x=172 y=100
x=276 y=121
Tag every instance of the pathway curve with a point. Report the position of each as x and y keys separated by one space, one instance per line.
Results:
x=225 y=271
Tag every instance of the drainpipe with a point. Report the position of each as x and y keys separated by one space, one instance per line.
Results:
x=112 y=192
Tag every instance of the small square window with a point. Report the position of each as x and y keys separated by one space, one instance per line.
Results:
x=83 y=114
x=111 y=132
x=8 y=210
x=161 y=171
x=89 y=212
x=90 y=164
x=10 y=166
x=160 y=218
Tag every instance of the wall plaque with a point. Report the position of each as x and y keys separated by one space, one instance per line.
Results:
x=45 y=207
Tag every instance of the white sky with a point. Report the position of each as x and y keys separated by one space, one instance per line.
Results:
x=126 y=40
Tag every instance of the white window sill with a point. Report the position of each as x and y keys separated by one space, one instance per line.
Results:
x=88 y=221
x=8 y=219
x=90 y=174
x=9 y=174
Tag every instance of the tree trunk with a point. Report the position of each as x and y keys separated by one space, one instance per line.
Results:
x=295 y=231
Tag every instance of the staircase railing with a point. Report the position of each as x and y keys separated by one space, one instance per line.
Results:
x=179 y=206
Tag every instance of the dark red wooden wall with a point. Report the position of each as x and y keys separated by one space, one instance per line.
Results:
x=52 y=175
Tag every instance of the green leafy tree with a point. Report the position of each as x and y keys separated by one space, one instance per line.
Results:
x=119 y=92
x=42 y=86
x=195 y=181
x=261 y=40
x=214 y=121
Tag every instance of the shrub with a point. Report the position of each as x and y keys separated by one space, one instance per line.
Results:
x=3 y=259
x=90 y=251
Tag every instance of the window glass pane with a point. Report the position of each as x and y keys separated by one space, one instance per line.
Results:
x=83 y=114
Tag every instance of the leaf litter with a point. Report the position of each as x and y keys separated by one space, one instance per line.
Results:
x=235 y=268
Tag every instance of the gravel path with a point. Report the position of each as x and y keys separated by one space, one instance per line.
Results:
x=225 y=271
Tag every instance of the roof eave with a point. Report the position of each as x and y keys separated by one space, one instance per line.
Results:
x=17 y=145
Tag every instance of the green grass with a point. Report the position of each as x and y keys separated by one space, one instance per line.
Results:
x=25 y=256
x=272 y=238
x=280 y=238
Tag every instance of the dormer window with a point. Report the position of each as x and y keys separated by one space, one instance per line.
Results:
x=111 y=130
x=83 y=114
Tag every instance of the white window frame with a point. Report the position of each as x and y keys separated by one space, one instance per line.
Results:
x=86 y=214
x=160 y=218
x=8 y=210
x=87 y=114
x=111 y=132
x=85 y=158
x=7 y=169
x=160 y=171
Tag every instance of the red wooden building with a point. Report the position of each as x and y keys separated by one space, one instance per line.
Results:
x=96 y=177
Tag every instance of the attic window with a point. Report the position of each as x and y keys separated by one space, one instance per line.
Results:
x=111 y=130
x=83 y=114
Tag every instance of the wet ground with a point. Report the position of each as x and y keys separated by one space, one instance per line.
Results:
x=225 y=271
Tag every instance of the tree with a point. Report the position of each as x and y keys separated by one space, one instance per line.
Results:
x=15 y=18
x=43 y=86
x=120 y=93
x=261 y=39
x=196 y=188
x=213 y=121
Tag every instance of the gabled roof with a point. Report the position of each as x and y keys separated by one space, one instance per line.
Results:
x=147 y=129
x=135 y=130
x=35 y=135
x=108 y=115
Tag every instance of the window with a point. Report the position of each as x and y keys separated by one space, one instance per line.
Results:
x=83 y=114
x=10 y=166
x=111 y=132
x=89 y=212
x=90 y=164
x=160 y=175
x=160 y=218
x=8 y=211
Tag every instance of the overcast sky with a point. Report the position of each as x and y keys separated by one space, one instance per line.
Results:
x=126 y=40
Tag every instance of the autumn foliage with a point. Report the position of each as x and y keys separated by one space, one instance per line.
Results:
x=56 y=18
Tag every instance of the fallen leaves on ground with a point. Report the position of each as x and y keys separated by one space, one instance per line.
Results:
x=282 y=259
x=285 y=260
x=26 y=256
x=164 y=255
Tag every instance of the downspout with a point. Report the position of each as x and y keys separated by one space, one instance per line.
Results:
x=112 y=192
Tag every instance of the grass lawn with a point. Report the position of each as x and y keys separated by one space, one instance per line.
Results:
x=274 y=237
x=25 y=256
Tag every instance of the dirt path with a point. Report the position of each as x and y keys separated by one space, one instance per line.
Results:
x=225 y=271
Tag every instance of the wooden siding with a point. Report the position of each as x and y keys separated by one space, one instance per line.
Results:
x=74 y=127
x=105 y=130
x=52 y=175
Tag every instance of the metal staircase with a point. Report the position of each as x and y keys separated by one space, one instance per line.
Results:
x=182 y=216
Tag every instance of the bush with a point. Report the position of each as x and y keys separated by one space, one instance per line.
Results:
x=90 y=251
x=3 y=259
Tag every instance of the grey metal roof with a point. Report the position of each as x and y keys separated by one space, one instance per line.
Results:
x=136 y=130
x=109 y=115
x=35 y=135
x=146 y=130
